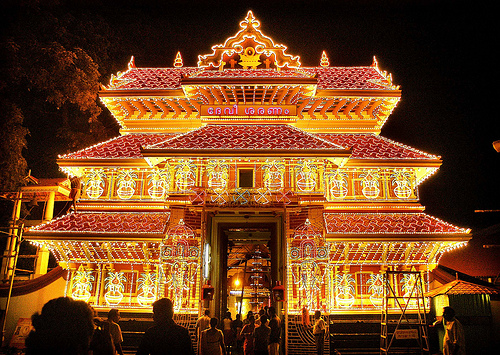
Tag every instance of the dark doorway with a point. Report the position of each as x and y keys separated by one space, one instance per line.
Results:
x=249 y=268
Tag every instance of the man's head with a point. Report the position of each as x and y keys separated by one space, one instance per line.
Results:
x=114 y=315
x=213 y=322
x=207 y=312
x=317 y=314
x=272 y=311
x=263 y=320
x=163 y=310
x=448 y=313
x=64 y=326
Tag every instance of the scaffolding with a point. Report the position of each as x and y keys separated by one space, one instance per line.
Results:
x=404 y=315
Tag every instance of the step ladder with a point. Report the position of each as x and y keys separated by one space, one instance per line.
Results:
x=404 y=315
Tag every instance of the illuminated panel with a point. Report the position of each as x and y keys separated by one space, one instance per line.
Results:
x=307 y=268
x=123 y=286
x=180 y=258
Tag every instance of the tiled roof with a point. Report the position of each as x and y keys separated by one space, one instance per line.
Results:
x=105 y=222
x=371 y=146
x=349 y=78
x=459 y=287
x=255 y=137
x=364 y=146
x=123 y=147
x=340 y=78
x=150 y=78
x=387 y=223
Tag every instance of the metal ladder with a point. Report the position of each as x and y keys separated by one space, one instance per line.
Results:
x=410 y=328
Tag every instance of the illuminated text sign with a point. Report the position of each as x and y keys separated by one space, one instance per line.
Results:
x=248 y=110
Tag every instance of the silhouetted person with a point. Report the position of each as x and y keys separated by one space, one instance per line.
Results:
x=261 y=337
x=101 y=343
x=115 y=330
x=237 y=325
x=275 y=336
x=319 y=329
x=64 y=327
x=229 y=336
x=454 y=339
x=246 y=320
x=165 y=337
x=212 y=340
x=247 y=334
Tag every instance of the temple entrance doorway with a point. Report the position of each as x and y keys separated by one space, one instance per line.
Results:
x=248 y=270
x=247 y=260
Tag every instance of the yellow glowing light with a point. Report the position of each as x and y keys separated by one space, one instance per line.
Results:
x=237 y=282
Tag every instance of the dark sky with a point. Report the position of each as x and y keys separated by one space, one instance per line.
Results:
x=441 y=53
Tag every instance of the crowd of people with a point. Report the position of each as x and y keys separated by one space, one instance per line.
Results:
x=70 y=327
x=257 y=334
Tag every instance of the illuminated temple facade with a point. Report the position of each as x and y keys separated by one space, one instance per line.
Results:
x=247 y=171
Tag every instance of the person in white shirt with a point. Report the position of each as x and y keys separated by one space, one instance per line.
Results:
x=319 y=329
x=115 y=330
x=202 y=324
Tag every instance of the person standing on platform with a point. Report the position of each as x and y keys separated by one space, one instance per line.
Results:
x=115 y=330
x=275 y=336
x=319 y=330
x=165 y=337
x=202 y=324
x=212 y=340
x=261 y=337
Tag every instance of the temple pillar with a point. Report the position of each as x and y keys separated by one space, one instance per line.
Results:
x=42 y=260
x=10 y=248
x=49 y=207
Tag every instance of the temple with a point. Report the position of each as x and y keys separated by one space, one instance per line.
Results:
x=248 y=175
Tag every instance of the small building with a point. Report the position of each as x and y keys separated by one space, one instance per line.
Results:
x=477 y=308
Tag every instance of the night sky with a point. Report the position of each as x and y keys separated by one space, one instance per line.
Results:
x=441 y=53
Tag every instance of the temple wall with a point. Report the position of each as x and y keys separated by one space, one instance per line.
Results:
x=24 y=306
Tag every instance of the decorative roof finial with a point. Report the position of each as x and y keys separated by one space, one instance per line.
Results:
x=178 y=60
x=324 y=60
x=375 y=62
x=131 y=64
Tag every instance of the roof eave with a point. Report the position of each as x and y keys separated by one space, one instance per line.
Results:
x=316 y=153
x=399 y=237
x=142 y=93
x=358 y=92
x=92 y=236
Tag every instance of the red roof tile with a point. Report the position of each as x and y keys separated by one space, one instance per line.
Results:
x=150 y=78
x=253 y=137
x=387 y=223
x=339 y=78
x=123 y=147
x=349 y=78
x=459 y=287
x=371 y=146
x=105 y=222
